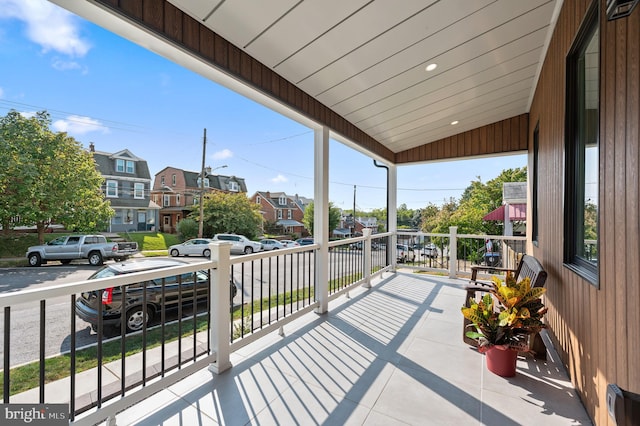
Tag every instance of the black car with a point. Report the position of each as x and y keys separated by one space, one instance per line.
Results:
x=176 y=288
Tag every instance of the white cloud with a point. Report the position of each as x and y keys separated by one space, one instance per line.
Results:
x=221 y=155
x=62 y=65
x=48 y=25
x=77 y=125
x=279 y=179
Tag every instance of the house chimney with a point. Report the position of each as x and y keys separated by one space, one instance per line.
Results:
x=268 y=194
x=92 y=147
x=207 y=170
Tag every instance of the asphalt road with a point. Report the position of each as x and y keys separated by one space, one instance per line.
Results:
x=25 y=318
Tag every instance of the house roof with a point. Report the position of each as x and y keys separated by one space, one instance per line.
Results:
x=289 y=222
x=516 y=212
x=106 y=164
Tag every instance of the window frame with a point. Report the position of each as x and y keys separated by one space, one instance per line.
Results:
x=535 y=185
x=138 y=191
x=575 y=149
x=108 y=187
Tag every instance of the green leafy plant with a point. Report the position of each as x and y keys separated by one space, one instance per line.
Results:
x=507 y=314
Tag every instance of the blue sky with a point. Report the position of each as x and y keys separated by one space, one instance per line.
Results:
x=103 y=89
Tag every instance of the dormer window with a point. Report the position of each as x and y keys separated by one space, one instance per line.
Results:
x=125 y=166
x=206 y=182
x=233 y=186
x=282 y=201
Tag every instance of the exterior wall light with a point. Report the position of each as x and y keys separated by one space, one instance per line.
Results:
x=620 y=8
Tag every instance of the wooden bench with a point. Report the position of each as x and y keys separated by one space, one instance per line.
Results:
x=528 y=266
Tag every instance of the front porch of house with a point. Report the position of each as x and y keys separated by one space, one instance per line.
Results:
x=392 y=354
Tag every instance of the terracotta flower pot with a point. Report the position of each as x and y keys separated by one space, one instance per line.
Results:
x=501 y=360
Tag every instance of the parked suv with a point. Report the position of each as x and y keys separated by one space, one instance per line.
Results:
x=241 y=244
x=175 y=287
x=404 y=253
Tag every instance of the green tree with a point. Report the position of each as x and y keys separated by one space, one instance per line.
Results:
x=187 y=228
x=229 y=213
x=334 y=217
x=47 y=177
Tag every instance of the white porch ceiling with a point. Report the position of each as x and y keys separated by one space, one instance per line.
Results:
x=366 y=59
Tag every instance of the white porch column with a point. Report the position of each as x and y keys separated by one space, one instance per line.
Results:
x=453 y=251
x=220 y=294
x=366 y=253
x=321 y=216
x=392 y=214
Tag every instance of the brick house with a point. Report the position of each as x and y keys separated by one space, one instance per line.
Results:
x=177 y=191
x=284 y=211
x=127 y=187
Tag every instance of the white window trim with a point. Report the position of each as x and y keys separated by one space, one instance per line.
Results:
x=138 y=191
x=106 y=190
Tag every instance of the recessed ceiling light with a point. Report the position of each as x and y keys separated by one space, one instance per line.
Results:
x=453 y=123
x=431 y=67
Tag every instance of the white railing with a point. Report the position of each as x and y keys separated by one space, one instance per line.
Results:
x=263 y=280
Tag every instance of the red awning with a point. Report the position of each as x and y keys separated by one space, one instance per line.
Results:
x=516 y=212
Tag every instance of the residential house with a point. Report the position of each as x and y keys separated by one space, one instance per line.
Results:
x=177 y=191
x=513 y=211
x=352 y=228
x=127 y=187
x=284 y=211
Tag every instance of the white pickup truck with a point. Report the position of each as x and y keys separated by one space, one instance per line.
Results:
x=95 y=248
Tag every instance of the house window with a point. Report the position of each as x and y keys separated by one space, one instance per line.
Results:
x=282 y=201
x=206 y=182
x=288 y=214
x=279 y=214
x=112 y=189
x=138 y=190
x=129 y=216
x=162 y=180
x=123 y=166
x=173 y=180
x=233 y=186
x=258 y=200
x=167 y=200
x=534 y=182
x=582 y=159
x=178 y=200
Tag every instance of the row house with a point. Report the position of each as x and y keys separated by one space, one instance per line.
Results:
x=177 y=191
x=126 y=186
x=284 y=211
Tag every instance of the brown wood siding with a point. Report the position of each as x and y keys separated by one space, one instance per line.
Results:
x=596 y=331
x=161 y=17
x=505 y=136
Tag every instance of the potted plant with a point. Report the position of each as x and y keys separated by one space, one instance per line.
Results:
x=503 y=319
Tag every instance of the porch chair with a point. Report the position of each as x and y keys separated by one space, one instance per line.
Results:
x=528 y=266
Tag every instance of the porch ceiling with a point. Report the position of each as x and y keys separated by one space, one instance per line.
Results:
x=365 y=60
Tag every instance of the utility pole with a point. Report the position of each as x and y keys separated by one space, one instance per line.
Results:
x=204 y=150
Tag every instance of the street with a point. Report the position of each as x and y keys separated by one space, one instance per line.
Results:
x=25 y=318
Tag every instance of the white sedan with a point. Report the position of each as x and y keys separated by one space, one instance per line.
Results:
x=271 y=244
x=289 y=243
x=194 y=247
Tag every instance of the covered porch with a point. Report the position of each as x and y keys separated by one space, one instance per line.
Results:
x=392 y=354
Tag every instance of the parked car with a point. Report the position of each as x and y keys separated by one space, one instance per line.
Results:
x=94 y=248
x=430 y=250
x=358 y=245
x=111 y=298
x=271 y=244
x=194 y=247
x=241 y=244
x=404 y=253
x=304 y=241
x=289 y=243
